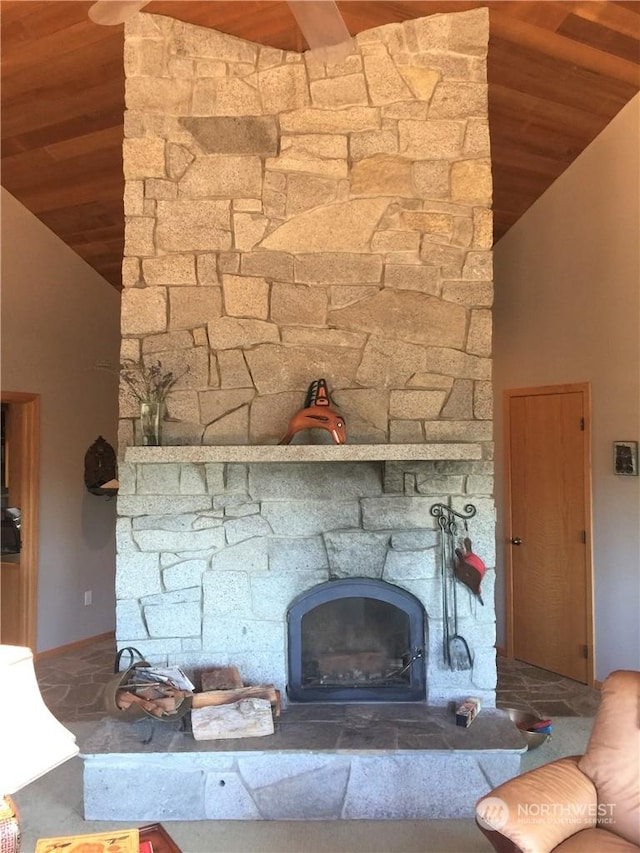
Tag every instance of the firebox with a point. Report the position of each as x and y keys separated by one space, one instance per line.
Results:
x=356 y=640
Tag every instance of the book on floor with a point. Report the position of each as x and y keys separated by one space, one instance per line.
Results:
x=116 y=841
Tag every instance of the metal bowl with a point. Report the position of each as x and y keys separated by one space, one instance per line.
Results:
x=532 y=739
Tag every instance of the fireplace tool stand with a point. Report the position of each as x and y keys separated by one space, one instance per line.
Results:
x=455 y=648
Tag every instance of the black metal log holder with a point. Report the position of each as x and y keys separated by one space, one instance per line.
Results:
x=455 y=648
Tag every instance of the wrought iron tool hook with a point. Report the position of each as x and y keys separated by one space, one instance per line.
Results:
x=446 y=516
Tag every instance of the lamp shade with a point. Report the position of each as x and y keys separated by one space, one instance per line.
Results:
x=32 y=741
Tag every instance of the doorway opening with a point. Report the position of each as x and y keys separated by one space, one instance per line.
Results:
x=548 y=553
x=19 y=502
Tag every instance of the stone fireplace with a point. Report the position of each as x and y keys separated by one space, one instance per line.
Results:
x=288 y=220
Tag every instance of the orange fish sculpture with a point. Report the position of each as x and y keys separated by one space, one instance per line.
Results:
x=318 y=413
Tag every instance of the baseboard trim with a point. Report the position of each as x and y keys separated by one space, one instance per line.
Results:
x=70 y=647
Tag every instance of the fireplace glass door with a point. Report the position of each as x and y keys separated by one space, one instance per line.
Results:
x=357 y=640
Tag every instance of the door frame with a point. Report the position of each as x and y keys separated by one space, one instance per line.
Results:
x=585 y=389
x=30 y=490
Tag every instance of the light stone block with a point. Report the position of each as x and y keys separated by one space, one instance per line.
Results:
x=225 y=97
x=422 y=81
x=242 y=635
x=144 y=310
x=412 y=277
x=459 y=405
x=233 y=370
x=190 y=307
x=348 y=480
x=472 y=293
x=215 y=404
x=179 y=158
x=169 y=269
x=129 y=621
x=396 y=242
x=322 y=338
x=430 y=140
x=480 y=334
x=154 y=189
x=315 y=145
x=277 y=368
x=289 y=799
x=337 y=92
x=292 y=555
x=310 y=517
x=298 y=304
x=223 y=175
x=283 y=88
x=328 y=268
x=166 y=540
x=167 y=341
x=192 y=480
x=431 y=178
x=356 y=553
x=246 y=296
x=165 y=522
x=227 y=593
x=440 y=484
x=348 y=120
x=483 y=400
x=477 y=142
x=452 y=362
x=305 y=191
x=368 y=143
x=458 y=100
x=471 y=181
x=382 y=175
x=207 y=268
x=135 y=505
x=158 y=479
x=248 y=230
x=137 y=575
x=385 y=84
x=183 y=575
x=158 y=95
x=414 y=540
x=396 y=513
x=387 y=362
x=272 y=595
x=342 y=227
x=401 y=565
x=247 y=556
x=186 y=225
x=234 y=333
x=240 y=529
x=130 y=272
x=232 y=428
x=406 y=432
x=412 y=405
x=406 y=315
x=458 y=430
x=134 y=198
x=299 y=162
x=270 y=265
x=482 y=228
x=174 y=620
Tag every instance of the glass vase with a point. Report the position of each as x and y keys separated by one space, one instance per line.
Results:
x=151 y=423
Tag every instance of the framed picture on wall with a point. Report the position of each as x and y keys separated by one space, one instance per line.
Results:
x=625 y=458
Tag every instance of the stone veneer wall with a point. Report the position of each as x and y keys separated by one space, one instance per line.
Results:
x=211 y=555
x=287 y=220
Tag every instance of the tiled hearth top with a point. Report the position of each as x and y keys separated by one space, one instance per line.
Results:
x=353 y=727
x=304 y=453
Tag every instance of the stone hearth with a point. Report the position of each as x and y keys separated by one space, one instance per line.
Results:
x=380 y=762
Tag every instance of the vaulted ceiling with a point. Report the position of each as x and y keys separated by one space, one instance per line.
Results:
x=558 y=73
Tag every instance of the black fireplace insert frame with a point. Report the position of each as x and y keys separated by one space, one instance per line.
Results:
x=414 y=691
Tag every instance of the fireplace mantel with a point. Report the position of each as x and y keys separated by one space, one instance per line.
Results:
x=304 y=453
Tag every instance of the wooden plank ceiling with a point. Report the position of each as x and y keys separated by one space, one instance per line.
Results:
x=558 y=73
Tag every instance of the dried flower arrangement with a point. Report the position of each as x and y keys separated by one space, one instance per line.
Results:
x=148 y=383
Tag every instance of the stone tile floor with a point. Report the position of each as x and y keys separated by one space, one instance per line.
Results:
x=71 y=684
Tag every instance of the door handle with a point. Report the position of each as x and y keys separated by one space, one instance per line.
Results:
x=516 y=540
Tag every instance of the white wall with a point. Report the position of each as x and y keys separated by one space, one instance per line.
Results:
x=59 y=319
x=568 y=310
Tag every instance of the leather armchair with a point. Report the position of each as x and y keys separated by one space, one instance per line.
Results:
x=581 y=804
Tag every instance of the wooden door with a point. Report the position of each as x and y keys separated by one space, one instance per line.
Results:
x=549 y=529
x=18 y=577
